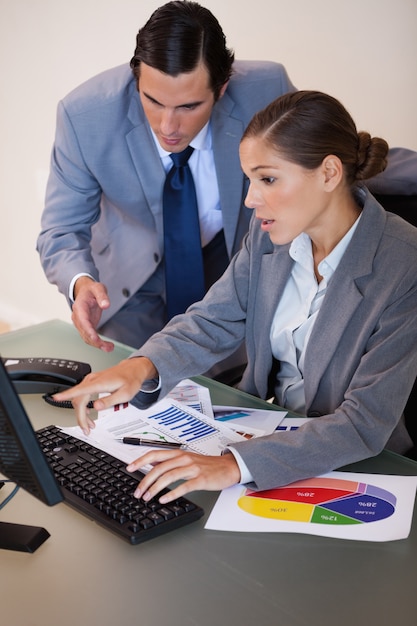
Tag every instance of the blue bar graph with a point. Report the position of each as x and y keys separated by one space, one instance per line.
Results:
x=183 y=425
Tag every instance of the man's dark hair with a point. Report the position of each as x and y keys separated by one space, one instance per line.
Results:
x=177 y=37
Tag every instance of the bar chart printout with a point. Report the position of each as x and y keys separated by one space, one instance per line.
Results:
x=173 y=421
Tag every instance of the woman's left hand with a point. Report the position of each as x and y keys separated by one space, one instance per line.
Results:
x=211 y=473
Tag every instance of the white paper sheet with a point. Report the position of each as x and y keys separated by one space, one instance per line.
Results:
x=193 y=395
x=249 y=422
x=366 y=507
x=166 y=420
x=292 y=423
x=173 y=421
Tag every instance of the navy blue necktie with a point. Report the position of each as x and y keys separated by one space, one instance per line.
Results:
x=184 y=272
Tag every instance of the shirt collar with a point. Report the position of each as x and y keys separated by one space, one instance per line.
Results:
x=300 y=251
x=202 y=141
x=332 y=260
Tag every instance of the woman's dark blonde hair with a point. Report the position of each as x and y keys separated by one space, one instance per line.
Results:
x=306 y=126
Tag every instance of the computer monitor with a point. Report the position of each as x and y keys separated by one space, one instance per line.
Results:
x=22 y=461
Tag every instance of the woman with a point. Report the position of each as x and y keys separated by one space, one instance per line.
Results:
x=324 y=293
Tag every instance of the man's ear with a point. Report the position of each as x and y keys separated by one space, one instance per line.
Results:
x=223 y=90
x=332 y=168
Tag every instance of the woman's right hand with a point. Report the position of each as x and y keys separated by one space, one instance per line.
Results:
x=122 y=382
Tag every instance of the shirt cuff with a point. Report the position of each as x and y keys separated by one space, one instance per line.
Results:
x=151 y=385
x=245 y=475
x=72 y=284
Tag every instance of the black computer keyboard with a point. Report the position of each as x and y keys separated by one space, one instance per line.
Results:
x=98 y=485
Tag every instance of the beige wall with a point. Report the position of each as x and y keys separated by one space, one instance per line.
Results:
x=364 y=52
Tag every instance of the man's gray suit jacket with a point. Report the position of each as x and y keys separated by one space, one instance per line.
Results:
x=103 y=213
x=361 y=359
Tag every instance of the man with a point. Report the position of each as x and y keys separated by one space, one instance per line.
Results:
x=102 y=239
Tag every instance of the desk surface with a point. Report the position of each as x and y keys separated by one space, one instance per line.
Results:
x=192 y=577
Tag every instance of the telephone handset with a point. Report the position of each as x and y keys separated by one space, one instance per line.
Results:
x=44 y=375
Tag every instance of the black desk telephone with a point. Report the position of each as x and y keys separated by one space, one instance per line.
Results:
x=44 y=375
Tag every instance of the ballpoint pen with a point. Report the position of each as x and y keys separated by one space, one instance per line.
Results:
x=152 y=443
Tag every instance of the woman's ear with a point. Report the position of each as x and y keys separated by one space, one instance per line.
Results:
x=332 y=168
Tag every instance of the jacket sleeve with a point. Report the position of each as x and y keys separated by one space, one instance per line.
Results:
x=72 y=206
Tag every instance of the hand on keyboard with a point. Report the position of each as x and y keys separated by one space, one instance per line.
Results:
x=198 y=471
x=98 y=485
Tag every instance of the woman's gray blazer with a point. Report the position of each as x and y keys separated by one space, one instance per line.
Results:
x=361 y=359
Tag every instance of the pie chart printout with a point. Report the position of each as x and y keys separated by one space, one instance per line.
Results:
x=331 y=501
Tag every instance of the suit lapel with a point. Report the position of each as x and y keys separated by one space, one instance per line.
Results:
x=343 y=296
x=273 y=275
x=227 y=132
x=148 y=167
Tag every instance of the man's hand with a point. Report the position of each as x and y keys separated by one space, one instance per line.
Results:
x=90 y=300
x=198 y=471
x=122 y=382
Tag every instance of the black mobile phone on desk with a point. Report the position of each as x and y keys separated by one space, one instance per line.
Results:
x=45 y=375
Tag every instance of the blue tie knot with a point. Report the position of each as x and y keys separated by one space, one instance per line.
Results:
x=180 y=158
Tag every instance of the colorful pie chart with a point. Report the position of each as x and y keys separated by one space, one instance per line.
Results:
x=321 y=501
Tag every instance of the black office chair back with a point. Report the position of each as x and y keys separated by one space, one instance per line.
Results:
x=405 y=207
